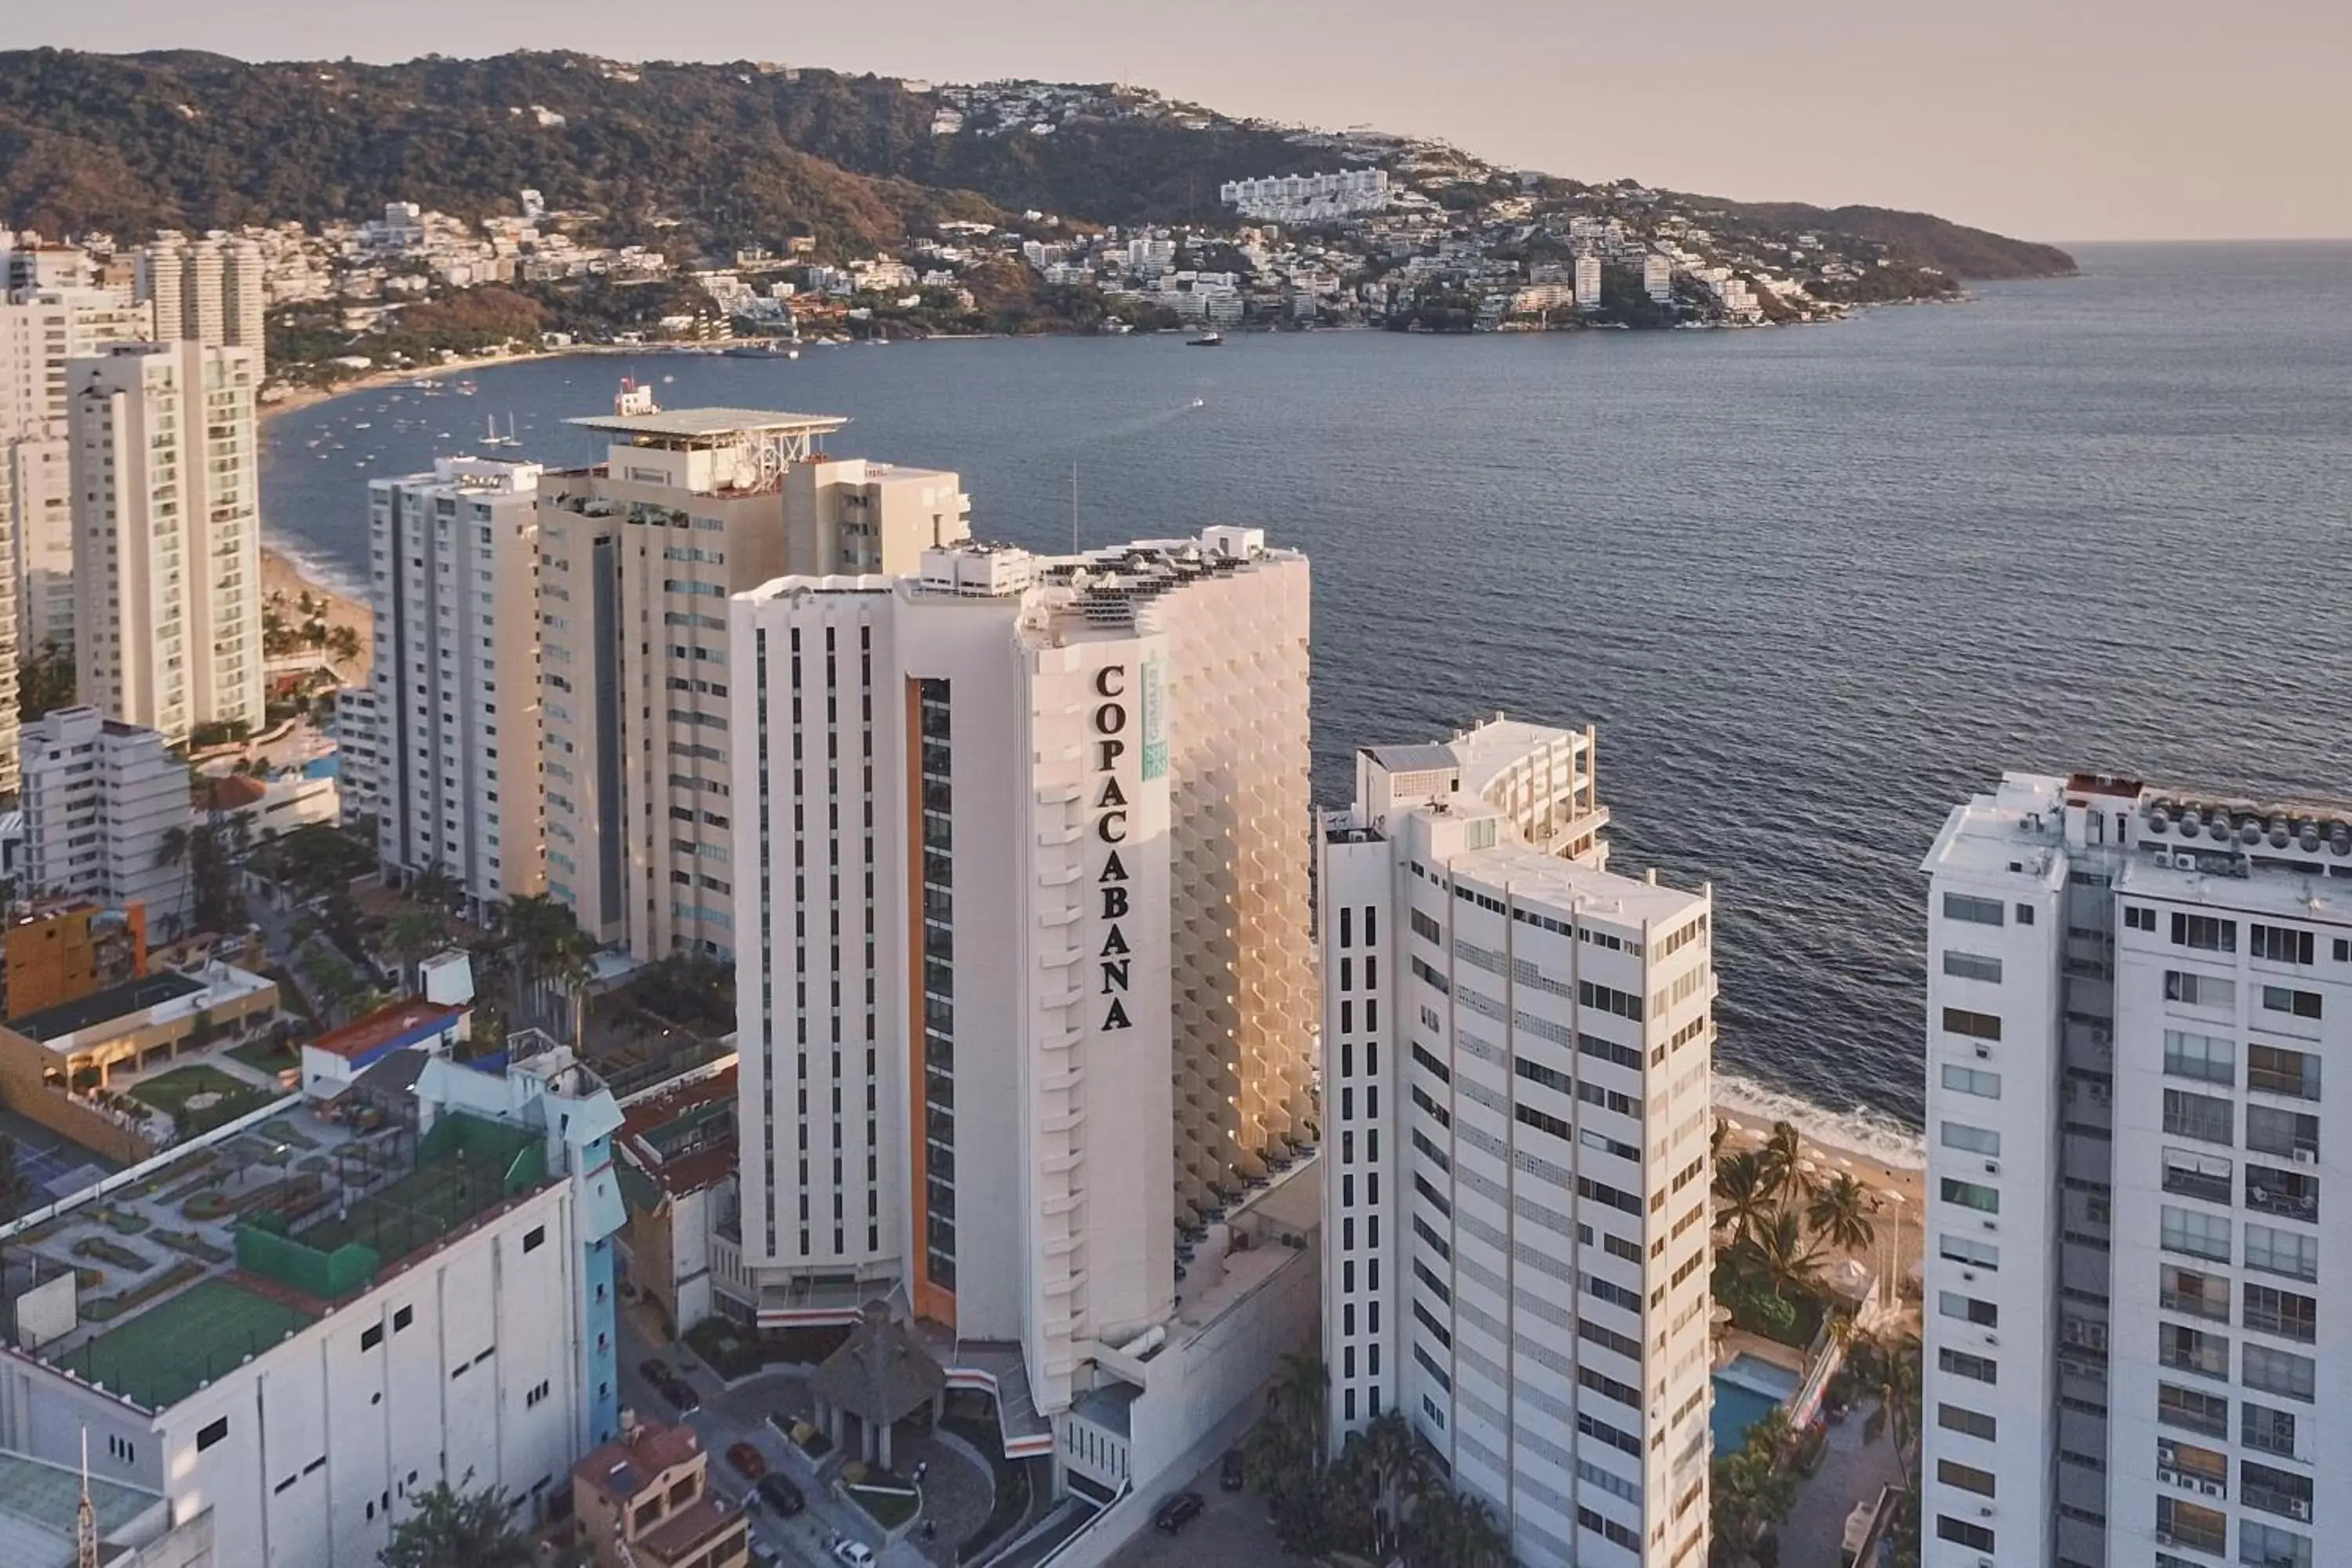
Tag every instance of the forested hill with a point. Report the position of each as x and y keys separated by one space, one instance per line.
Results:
x=739 y=152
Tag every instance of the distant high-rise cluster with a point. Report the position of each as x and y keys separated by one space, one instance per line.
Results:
x=205 y=291
x=1307 y=199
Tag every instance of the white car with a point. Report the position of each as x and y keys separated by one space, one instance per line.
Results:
x=856 y=1553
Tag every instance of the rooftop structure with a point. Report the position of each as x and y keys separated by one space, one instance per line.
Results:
x=678 y=429
x=40 y=1504
x=356 y=1268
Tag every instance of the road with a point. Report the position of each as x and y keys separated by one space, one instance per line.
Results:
x=742 y=1415
x=1232 y=1532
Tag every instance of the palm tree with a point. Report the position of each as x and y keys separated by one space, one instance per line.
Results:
x=1789 y=1257
x=1839 y=1213
x=1479 y=1540
x=1895 y=1374
x=1743 y=1198
x=1779 y=1159
x=1398 y=1465
x=435 y=886
x=414 y=934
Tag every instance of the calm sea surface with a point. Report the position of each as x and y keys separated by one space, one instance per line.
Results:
x=1813 y=585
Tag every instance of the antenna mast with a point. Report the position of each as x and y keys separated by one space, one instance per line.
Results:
x=1074 y=506
x=85 y=1516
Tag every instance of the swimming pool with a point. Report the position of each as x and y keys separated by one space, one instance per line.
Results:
x=1746 y=1390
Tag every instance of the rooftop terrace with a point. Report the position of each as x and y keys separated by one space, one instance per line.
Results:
x=246 y=1236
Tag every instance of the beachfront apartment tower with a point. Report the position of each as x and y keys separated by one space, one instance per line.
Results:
x=453 y=561
x=2131 y=992
x=1026 y=994
x=167 y=540
x=41 y=329
x=209 y=289
x=102 y=800
x=638 y=557
x=1516 y=1048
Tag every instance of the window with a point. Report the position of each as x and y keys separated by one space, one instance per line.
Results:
x=1975 y=1196
x=2280 y=1371
x=2025 y=914
x=2267 y=1546
x=2287 y=1252
x=2265 y=1430
x=1976 y=1026
x=1968 y=1309
x=2204 y=933
x=1971 y=965
x=371 y=1336
x=2273 y=1490
x=2203 y=1116
x=2189 y=1524
x=2290 y=1193
x=2197 y=1233
x=2276 y=1070
x=208 y=1435
x=534 y=1238
x=1975 y=1140
x=1976 y=912
x=2192 y=1409
x=1967 y=1477
x=2285 y=999
x=2281 y=945
x=2282 y=1132
x=2198 y=1294
x=1975 y=1537
x=1959 y=1418
x=401 y=1318
x=2195 y=1175
x=1972 y=1080
x=1961 y=1249
x=1959 y=1363
x=2138 y=917
x=2199 y=990
x=2201 y=1463
x=2206 y=1057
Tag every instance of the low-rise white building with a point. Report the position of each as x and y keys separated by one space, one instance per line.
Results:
x=107 y=813
x=320 y=1347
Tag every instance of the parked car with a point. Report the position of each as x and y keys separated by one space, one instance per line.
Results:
x=780 y=1494
x=1178 y=1511
x=654 y=1370
x=680 y=1393
x=1230 y=1474
x=747 y=1461
x=856 y=1553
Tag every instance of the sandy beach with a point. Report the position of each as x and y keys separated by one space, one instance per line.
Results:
x=282 y=588
x=1901 y=1189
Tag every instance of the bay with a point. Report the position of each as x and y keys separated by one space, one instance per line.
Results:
x=1814 y=585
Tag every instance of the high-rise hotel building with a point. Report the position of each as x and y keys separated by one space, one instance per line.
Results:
x=454 y=572
x=2132 y=993
x=1515 y=1064
x=1026 y=989
x=167 y=535
x=638 y=555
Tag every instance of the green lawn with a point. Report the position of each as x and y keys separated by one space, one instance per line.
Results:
x=267 y=1055
x=170 y=1093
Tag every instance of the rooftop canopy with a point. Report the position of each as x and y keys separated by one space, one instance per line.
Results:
x=694 y=426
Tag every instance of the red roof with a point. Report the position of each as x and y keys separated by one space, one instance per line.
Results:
x=386 y=1024
x=644 y=1115
x=231 y=793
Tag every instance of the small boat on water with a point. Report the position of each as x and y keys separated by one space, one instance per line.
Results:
x=1211 y=339
x=465 y=389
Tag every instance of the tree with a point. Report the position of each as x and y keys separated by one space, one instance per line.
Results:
x=1397 y=1467
x=1777 y=1159
x=44 y=681
x=414 y=934
x=1743 y=1198
x=434 y=884
x=450 y=1528
x=1839 y=1213
x=1893 y=1376
x=1789 y=1257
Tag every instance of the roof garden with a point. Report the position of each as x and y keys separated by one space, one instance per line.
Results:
x=221 y=1253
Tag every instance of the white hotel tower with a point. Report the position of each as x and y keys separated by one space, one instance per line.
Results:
x=1516 y=1051
x=1026 y=990
x=2131 y=993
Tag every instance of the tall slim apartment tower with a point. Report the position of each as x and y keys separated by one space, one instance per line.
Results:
x=2132 y=990
x=638 y=556
x=41 y=329
x=454 y=559
x=102 y=798
x=1025 y=986
x=206 y=290
x=167 y=547
x=1516 y=1061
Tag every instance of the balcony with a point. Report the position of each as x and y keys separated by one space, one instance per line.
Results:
x=2287 y=1197
x=2213 y=1189
x=2195 y=1305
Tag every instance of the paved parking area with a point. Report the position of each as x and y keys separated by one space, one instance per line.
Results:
x=1231 y=1532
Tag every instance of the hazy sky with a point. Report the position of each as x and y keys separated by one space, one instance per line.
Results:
x=2057 y=120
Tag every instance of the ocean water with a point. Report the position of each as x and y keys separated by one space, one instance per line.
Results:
x=1813 y=585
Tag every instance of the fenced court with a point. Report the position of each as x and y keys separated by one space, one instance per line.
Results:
x=166 y=1352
